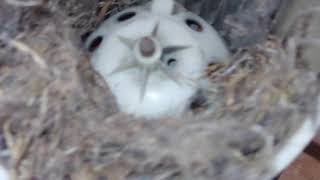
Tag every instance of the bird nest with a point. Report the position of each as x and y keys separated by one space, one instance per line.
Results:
x=59 y=120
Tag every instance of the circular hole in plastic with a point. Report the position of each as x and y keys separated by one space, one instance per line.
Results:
x=126 y=16
x=194 y=25
x=95 y=43
x=85 y=36
x=171 y=62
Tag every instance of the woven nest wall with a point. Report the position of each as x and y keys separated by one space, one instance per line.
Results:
x=58 y=120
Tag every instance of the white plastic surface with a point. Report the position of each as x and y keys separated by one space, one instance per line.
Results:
x=4 y=174
x=163 y=95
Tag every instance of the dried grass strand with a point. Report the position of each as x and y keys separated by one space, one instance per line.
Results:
x=28 y=50
x=29 y=3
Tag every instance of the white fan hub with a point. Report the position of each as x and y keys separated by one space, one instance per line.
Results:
x=162 y=41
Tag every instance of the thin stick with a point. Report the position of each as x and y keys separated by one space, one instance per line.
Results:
x=26 y=49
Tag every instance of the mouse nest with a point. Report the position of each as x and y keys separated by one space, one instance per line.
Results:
x=59 y=121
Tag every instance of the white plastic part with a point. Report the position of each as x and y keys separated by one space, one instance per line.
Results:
x=4 y=174
x=163 y=7
x=152 y=57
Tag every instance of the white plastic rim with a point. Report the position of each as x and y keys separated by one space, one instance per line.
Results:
x=296 y=144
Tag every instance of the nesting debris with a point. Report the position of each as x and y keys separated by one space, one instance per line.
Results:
x=60 y=122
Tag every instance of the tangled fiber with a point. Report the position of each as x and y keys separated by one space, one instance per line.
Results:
x=58 y=120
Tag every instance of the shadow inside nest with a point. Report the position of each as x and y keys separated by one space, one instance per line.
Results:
x=59 y=120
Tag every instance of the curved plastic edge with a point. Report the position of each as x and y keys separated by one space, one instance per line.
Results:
x=296 y=143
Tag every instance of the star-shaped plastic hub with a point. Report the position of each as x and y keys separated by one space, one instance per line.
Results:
x=148 y=57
